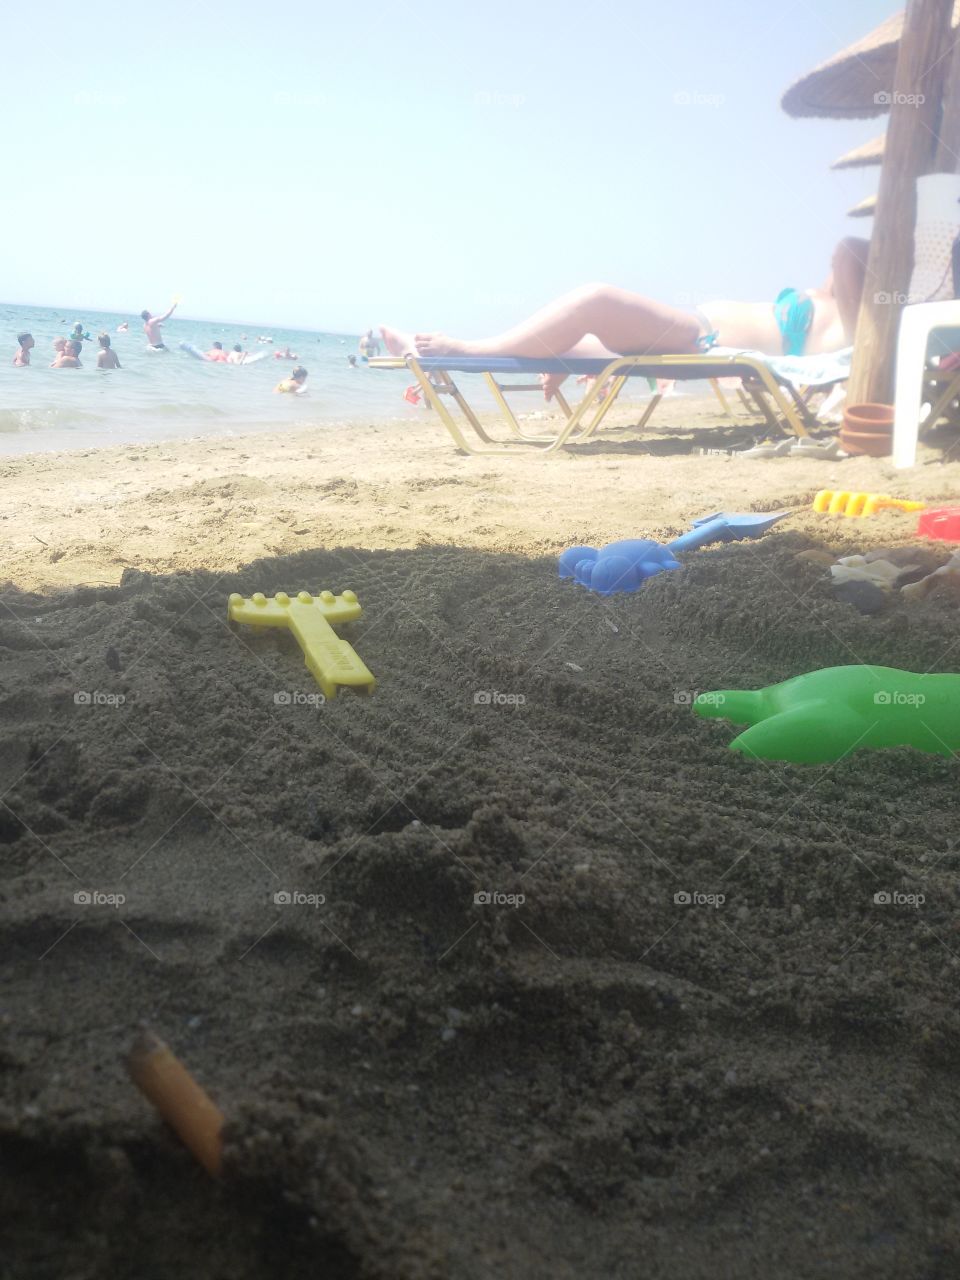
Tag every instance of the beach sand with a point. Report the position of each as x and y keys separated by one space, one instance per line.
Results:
x=595 y=1082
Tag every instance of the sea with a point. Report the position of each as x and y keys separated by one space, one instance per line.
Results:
x=174 y=396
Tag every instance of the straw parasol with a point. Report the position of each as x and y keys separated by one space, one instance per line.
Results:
x=858 y=81
x=868 y=153
x=865 y=209
x=909 y=66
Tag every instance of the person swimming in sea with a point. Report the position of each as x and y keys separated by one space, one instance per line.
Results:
x=106 y=356
x=22 y=356
x=77 y=334
x=216 y=354
x=295 y=383
x=123 y=326
x=601 y=320
x=151 y=327
x=69 y=356
x=237 y=355
x=352 y=362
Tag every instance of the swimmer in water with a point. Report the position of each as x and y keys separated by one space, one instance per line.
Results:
x=151 y=327
x=286 y=354
x=69 y=357
x=236 y=356
x=123 y=327
x=295 y=383
x=23 y=351
x=78 y=335
x=352 y=362
x=106 y=356
x=216 y=354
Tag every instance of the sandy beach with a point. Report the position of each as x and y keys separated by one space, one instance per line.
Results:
x=581 y=1078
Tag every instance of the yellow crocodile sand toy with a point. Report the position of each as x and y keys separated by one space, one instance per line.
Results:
x=332 y=662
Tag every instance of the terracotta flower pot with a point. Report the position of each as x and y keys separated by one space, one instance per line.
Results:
x=868 y=428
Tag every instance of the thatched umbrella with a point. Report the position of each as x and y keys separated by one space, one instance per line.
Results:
x=851 y=83
x=909 y=66
x=865 y=209
x=868 y=153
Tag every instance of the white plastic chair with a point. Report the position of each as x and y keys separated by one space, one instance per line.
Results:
x=917 y=322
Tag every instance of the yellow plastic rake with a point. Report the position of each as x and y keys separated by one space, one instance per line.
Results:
x=332 y=662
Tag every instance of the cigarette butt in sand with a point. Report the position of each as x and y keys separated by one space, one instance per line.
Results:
x=163 y=1079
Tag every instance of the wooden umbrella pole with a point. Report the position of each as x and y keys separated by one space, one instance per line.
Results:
x=911 y=147
x=947 y=159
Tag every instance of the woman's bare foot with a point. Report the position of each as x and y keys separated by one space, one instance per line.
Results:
x=438 y=344
x=397 y=342
x=551 y=383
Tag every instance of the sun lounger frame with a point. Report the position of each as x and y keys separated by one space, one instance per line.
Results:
x=779 y=402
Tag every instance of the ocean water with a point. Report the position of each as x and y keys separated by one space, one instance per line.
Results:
x=172 y=395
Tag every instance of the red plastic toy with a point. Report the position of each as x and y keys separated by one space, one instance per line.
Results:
x=942 y=523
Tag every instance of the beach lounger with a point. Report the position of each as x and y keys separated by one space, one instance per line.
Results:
x=771 y=383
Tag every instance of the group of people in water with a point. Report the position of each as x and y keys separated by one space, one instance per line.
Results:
x=67 y=351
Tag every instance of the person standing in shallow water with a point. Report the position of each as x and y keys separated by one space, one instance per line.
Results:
x=106 y=356
x=23 y=351
x=151 y=327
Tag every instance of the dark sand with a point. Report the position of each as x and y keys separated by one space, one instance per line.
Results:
x=599 y=1082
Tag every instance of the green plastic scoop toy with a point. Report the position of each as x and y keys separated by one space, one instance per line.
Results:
x=824 y=715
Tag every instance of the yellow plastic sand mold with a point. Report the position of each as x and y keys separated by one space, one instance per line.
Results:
x=332 y=662
x=844 y=502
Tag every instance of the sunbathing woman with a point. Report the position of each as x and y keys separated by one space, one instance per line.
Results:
x=602 y=320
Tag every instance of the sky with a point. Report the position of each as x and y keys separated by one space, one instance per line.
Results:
x=429 y=164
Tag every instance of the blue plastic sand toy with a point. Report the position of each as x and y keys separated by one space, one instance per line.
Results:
x=624 y=566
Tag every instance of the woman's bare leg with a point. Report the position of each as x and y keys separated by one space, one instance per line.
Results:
x=625 y=323
x=849 y=272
